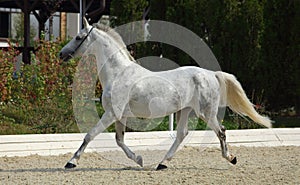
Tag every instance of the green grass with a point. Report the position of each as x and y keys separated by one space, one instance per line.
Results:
x=40 y=119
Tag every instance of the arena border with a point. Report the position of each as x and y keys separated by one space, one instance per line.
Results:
x=56 y=144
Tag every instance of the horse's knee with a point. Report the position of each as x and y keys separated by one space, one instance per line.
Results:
x=87 y=138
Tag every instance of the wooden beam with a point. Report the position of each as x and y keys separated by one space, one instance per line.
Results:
x=37 y=16
x=63 y=30
x=21 y=6
x=33 y=5
x=26 y=52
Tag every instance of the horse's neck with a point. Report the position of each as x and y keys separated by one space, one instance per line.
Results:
x=113 y=67
x=114 y=59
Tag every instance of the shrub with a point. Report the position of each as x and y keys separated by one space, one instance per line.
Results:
x=37 y=96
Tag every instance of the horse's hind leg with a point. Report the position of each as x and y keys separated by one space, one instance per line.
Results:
x=220 y=131
x=182 y=131
x=120 y=132
x=106 y=120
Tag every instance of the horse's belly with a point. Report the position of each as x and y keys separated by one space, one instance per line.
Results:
x=156 y=108
x=153 y=101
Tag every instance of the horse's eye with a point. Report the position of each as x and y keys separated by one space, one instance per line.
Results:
x=78 y=37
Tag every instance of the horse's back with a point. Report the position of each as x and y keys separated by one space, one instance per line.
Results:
x=201 y=78
x=155 y=94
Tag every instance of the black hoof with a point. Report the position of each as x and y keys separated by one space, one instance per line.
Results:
x=139 y=161
x=70 y=165
x=233 y=161
x=161 y=167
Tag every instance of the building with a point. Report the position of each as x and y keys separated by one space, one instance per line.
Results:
x=63 y=25
x=49 y=16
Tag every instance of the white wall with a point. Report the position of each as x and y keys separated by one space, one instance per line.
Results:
x=3 y=44
x=72 y=24
x=56 y=26
x=33 y=24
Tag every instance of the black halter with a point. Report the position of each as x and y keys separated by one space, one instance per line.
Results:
x=83 y=40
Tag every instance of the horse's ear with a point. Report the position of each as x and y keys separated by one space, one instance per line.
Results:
x=85 y=22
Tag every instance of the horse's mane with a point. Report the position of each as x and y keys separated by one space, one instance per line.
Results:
x=116 y=36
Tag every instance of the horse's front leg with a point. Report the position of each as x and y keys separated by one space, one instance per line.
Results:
x=106 y=120
x=120 y=132
x=182 y=131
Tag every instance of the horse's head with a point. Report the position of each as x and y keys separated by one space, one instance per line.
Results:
x=78 y=44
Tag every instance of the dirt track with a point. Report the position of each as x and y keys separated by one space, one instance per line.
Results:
x=269 y=165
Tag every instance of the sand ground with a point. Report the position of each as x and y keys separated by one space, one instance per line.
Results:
x=190 y=165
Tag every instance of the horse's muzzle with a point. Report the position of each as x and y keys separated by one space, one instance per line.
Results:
x=65 y=56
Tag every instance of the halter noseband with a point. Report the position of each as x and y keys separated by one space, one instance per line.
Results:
x=83 y=40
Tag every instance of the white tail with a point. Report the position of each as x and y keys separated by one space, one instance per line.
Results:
x=233 y=93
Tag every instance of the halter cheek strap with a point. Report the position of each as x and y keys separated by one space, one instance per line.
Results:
x=83 y=40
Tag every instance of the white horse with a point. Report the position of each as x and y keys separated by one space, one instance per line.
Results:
x=129 y=90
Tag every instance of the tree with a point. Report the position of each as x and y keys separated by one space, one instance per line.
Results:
x=258 y=40
x=279 y=74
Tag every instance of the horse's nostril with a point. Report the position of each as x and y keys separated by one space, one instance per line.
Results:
x=60 y=55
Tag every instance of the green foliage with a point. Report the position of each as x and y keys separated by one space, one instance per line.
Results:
x=258 y=41
x=279 y=69
x=128 y=11
x=7 y=59
x=37 y=98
